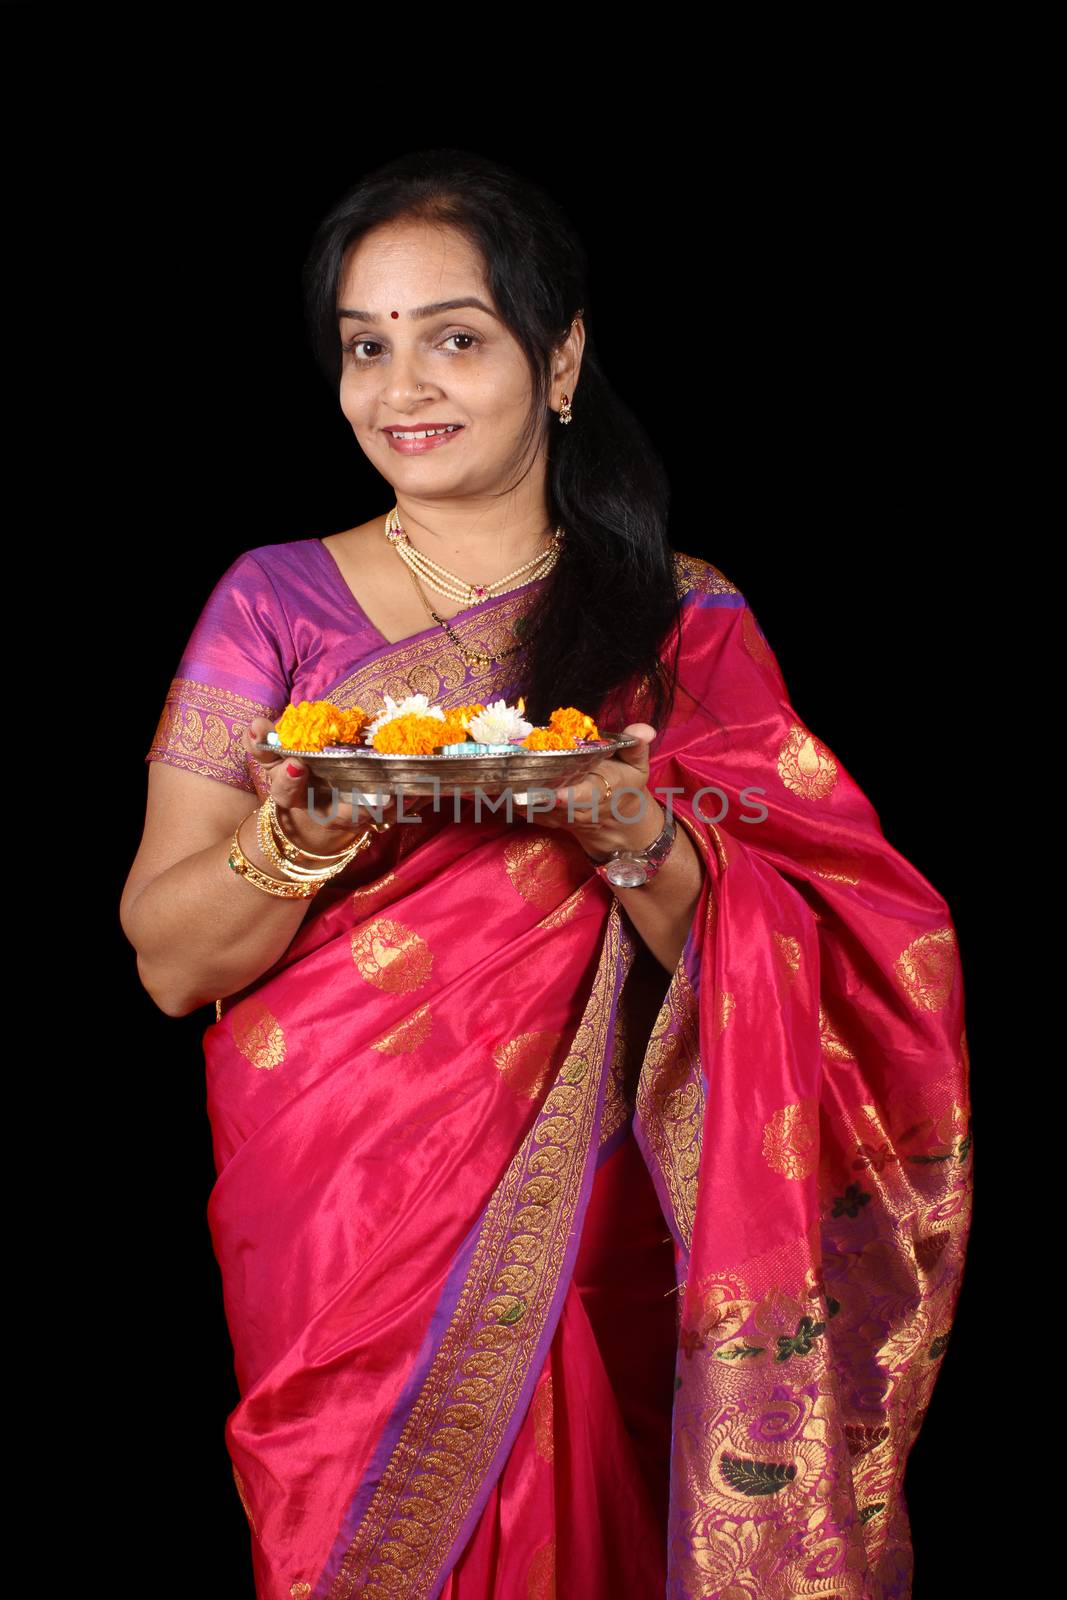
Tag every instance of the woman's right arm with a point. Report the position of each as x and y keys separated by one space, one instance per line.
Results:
x=200 y=930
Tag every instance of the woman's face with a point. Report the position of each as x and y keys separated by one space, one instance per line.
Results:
x=394 y=337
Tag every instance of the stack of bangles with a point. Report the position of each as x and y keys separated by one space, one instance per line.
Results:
x=298 y=881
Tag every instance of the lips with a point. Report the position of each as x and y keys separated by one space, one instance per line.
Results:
x=420 y=427
x=418 y=447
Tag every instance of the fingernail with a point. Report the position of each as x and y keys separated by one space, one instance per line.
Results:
x=294 y=771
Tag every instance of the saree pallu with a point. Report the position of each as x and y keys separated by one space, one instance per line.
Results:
x=550 y=1273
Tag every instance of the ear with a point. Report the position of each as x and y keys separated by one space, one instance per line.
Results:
x=567 y=362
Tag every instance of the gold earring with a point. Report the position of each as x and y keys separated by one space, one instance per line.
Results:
x=565 y=410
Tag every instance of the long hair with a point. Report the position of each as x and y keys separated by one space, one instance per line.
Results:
x=593 y=638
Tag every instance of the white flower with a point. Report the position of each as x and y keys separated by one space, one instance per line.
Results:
x=398 y=708
x=499 y=723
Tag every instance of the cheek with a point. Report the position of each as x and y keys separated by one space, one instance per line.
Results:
x=353 y=403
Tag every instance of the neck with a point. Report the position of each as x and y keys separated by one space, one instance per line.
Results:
x=477 y=540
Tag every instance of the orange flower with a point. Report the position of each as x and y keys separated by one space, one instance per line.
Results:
x=411 y=734
x=456 y=727
x=463 y=714
x=313 y=724
x=570 y=720
x=453 y=731
x=549 y=738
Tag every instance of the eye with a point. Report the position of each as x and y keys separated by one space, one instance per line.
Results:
x=473 y=337
x=355 y=344
x=360 y=342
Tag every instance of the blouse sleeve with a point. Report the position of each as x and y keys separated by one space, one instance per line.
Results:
x=239 y=663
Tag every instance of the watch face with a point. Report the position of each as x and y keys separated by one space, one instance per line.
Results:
x=626 y=873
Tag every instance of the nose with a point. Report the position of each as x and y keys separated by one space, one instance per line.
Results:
x=405 y=383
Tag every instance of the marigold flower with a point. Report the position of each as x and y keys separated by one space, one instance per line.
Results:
x=412 y=704
x=568 y=719
x=410 y=734
x=314 y=724
x=548 y=739
x=463 y=714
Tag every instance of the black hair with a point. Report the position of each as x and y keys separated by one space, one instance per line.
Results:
x=594 y=635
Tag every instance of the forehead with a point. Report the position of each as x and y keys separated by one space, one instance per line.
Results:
x=408 y=263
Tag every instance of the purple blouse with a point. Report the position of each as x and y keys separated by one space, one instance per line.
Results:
x=278 y=626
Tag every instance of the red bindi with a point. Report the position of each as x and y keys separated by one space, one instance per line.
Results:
x=394 y=313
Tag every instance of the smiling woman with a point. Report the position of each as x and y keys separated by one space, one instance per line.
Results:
x=583 y=1232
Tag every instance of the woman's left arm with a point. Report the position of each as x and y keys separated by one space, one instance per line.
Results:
x=661 y=910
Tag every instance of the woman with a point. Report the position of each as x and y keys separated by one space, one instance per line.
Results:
x=578 y=1237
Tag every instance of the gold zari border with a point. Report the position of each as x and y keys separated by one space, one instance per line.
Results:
x=199 y=730
x=477 y=1377
x=432 y=665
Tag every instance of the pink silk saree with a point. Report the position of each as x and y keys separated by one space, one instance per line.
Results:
x=550 y=1273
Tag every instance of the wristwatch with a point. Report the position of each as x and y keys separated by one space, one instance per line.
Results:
x=628 y=869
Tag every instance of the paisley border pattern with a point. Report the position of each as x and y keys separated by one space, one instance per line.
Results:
x=200 y=727
x=430 y=664
x=451 y=1447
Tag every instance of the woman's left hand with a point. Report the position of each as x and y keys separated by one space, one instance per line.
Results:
x=625 y=821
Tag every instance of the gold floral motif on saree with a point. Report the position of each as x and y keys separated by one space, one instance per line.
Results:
x=258 y=1035
x=834 y=1046
x=239 y=1481
x=408 y=1034
x=544 y=1435
x=805 y=765
x=369 y=897
x=791 y=1140
x=390 y=955
x=568 y=909
x=755 y=643
x=725 y=1006
x=470 y=1394
x=926 y=967
x=544 y=869
x=838 y=868
x=525 y=1062
x=541 y=1573
x=787 y=954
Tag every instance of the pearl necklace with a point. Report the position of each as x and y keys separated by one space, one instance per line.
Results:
x=453 y=588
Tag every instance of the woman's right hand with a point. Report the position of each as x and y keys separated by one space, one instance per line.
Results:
x=288 y=783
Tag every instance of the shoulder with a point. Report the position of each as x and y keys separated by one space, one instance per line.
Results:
x=693 y=574
x=278 y=560
x=273 y=577
x=727 y=606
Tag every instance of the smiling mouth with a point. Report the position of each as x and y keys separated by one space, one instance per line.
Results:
x=429 y=432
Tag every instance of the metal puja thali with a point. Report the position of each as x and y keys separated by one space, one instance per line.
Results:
x=492 y=768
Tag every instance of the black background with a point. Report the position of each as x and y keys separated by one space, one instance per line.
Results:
x=788 y=306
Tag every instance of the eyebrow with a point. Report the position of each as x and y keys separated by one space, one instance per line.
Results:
x=422 y=311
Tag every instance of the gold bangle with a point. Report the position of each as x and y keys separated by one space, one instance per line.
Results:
x=270 y=841
x=289 y=847
x=239 y=863
x=291 y=870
